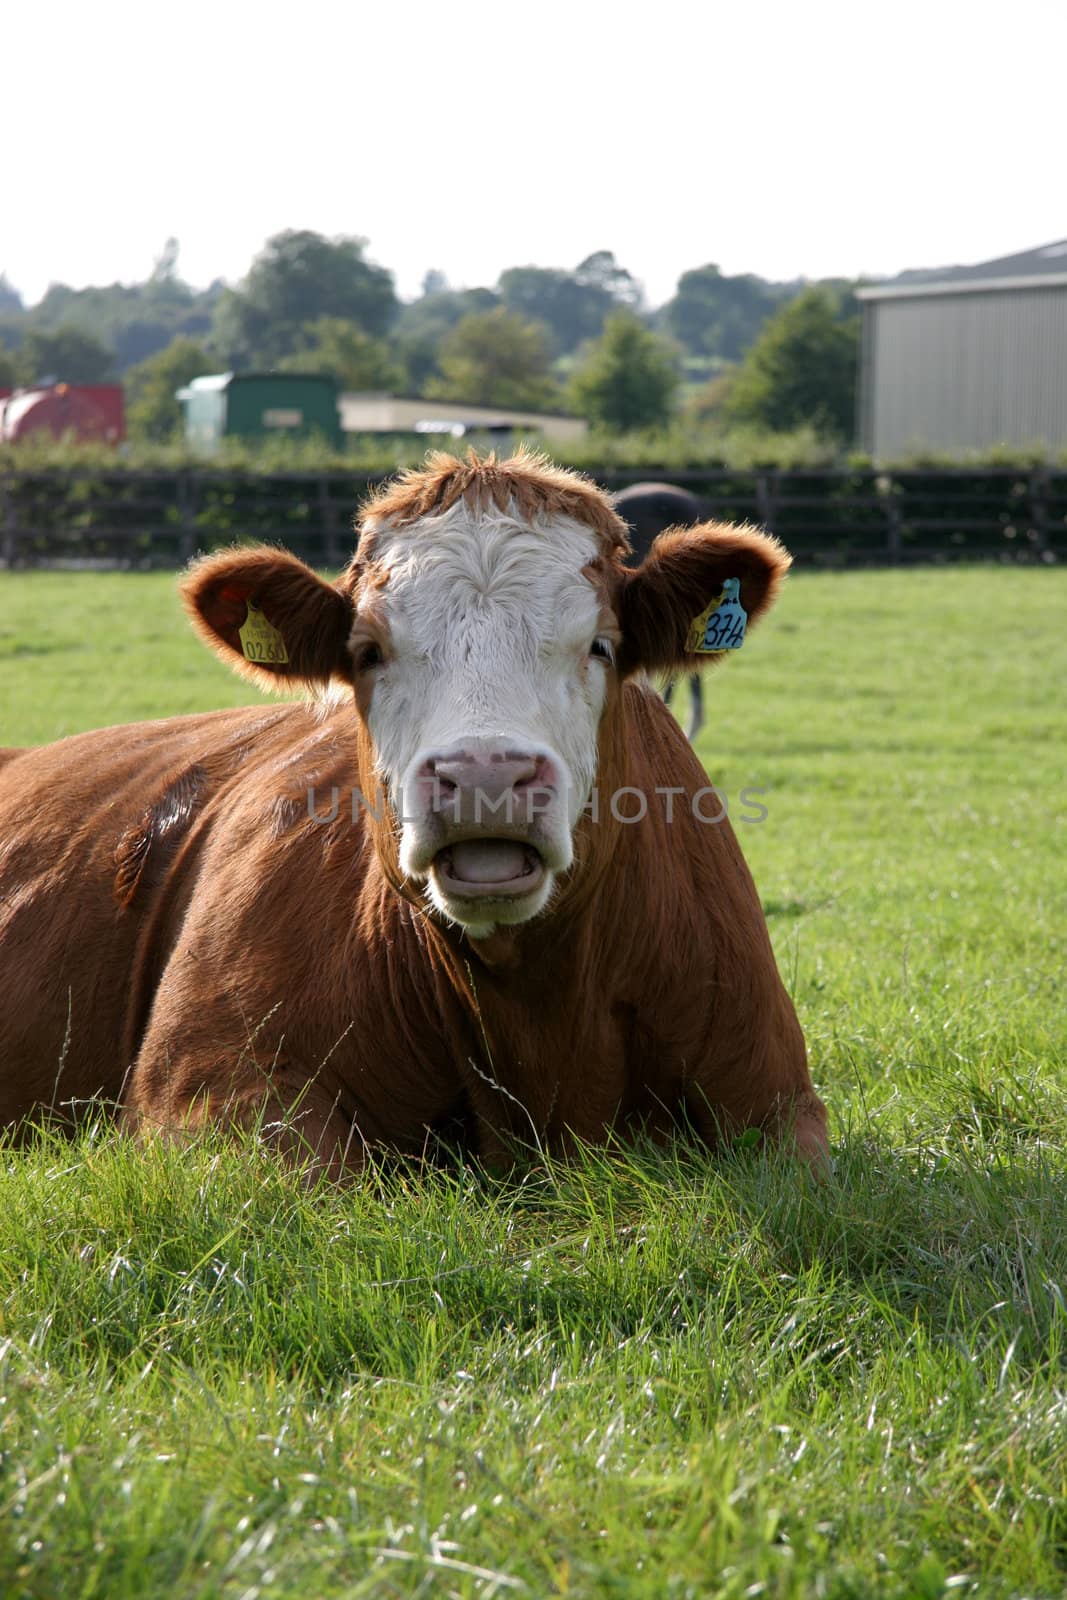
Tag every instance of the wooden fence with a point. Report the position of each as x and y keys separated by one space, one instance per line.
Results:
x=827 y=518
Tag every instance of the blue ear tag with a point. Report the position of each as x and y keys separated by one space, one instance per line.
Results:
x=721 y=626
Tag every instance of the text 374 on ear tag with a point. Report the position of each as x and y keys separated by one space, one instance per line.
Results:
x=721 y=626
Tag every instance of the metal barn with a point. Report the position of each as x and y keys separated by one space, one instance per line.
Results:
x=966 y=358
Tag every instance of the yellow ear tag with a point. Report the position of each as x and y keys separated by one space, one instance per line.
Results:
x=721 y=626
x=260 y=639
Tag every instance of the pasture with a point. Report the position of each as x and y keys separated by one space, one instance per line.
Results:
x=643 y=1373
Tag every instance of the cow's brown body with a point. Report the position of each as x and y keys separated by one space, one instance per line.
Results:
x=200 y=919
x=261 y=953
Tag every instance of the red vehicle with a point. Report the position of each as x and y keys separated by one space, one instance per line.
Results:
x=88 y=411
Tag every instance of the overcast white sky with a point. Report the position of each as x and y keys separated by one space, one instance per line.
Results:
x=785 y=137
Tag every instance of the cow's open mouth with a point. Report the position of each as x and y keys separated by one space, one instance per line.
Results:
x=484 y=869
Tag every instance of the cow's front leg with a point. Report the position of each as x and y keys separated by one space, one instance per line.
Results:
x=798 y=1123
x=795 y=1120
x=302 y=1121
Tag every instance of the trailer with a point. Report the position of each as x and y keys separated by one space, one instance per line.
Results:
x=87 y=412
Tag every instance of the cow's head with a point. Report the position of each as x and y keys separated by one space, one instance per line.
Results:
x=485 y=625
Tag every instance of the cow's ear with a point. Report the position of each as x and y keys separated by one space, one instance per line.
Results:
x=270 y=617
x=666 y=604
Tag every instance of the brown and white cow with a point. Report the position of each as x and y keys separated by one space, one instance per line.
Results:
x=482 y=887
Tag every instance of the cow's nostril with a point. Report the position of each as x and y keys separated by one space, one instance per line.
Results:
x=525 y=775
x=536 y=774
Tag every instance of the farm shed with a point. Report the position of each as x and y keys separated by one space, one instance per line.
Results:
x=966 y=357
x=256 y=405
x=386 y=413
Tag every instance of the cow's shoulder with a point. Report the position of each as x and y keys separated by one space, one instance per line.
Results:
x=256 y=782
x=147 y=845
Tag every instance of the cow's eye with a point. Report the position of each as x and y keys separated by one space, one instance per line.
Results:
x=368 y=655
x=603 y=650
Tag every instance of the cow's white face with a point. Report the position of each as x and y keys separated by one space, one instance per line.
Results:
x=481 y=651
x=480 y=645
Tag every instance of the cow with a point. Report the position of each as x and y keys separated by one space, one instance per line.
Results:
x=649 y=509
x=476 y=882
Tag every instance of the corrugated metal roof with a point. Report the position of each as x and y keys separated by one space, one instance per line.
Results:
x=1043 y=267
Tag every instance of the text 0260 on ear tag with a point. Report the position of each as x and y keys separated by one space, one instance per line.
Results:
x=260 y=639
x=721 y=626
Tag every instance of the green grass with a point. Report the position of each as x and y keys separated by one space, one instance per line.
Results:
x=88 y=650
x=642 y=1374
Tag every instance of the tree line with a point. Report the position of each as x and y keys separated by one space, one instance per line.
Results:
x=725 y=349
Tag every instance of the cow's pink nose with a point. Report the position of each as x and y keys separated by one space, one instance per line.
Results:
x=479 y=788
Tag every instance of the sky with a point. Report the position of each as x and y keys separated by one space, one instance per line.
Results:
x=795 y=139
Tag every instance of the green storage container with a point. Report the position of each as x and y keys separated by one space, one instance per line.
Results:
x=259 y=405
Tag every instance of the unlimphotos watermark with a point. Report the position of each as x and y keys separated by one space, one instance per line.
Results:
x=709 y=805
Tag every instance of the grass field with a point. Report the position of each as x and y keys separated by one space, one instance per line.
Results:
x=643 y=1375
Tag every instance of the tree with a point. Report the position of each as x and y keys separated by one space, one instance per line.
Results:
x=9 y=372
x=66 y=354
x=342 y=349
x=715 y=315
x=627 y=379
x=572 y=305
x=10 y=299
x=152 y=408
x=423 y=325
x=434 y=281
x=136 y=319
x=495 y=358
x=601 y=271
x=298 y=277
x=802 y=369
x=165 y=266
x=707 y=404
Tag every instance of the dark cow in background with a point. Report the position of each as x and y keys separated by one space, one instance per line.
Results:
x=649 y=509
x=483 y=883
